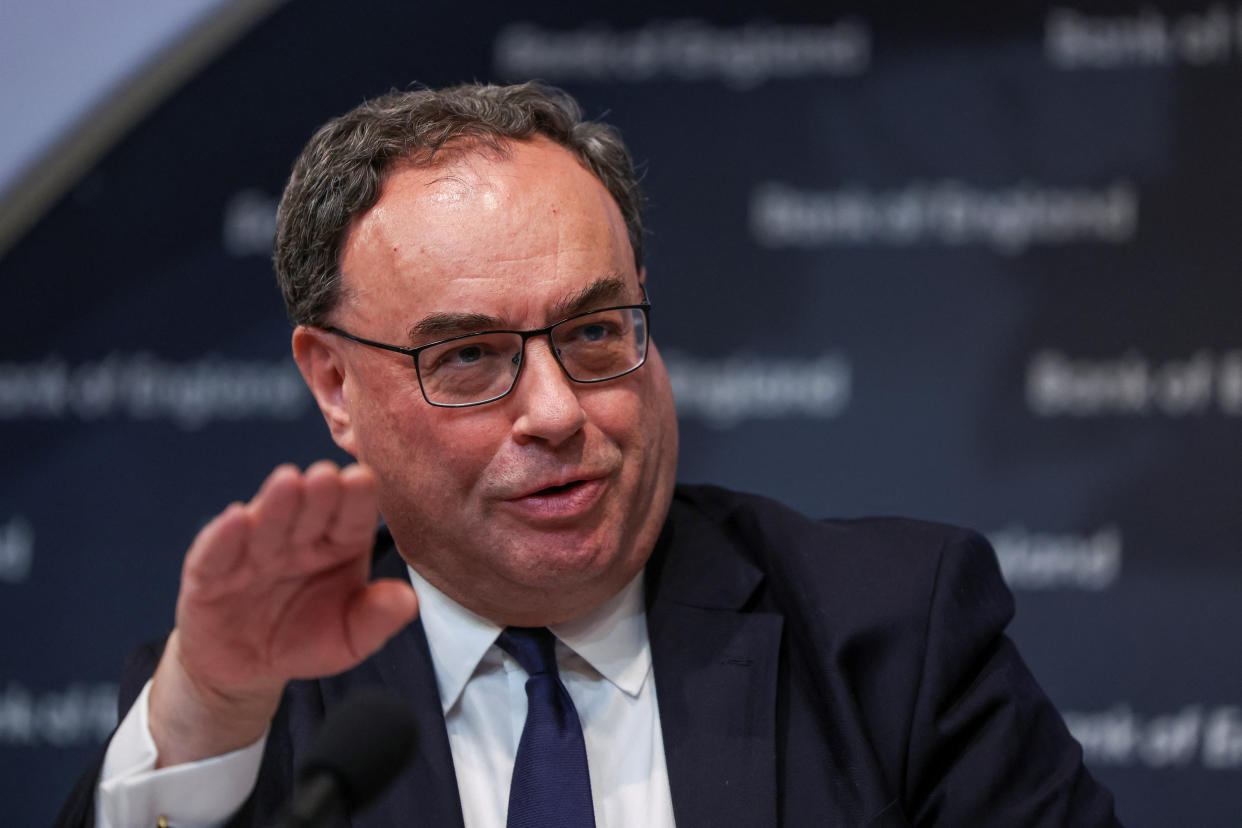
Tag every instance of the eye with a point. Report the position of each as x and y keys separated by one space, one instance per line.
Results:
x=593 y=332
x=470 y=354
x=466 y=354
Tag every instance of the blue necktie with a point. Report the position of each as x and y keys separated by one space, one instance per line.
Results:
x=551 y=783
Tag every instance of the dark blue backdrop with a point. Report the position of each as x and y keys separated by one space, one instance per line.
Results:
x=975 y=267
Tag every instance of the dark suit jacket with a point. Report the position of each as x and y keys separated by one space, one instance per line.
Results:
x=840 y=673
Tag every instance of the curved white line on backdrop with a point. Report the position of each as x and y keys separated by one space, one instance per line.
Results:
x=76 y=75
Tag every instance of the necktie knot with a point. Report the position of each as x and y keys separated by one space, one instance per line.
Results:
x=533 y=647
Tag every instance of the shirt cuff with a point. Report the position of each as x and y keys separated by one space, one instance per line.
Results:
x=201 y=794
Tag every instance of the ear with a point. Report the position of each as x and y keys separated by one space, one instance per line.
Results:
x=323 y=367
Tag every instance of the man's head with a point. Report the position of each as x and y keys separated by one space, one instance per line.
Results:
x=538 y=506
x=341 y=172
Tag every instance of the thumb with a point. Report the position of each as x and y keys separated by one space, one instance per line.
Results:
x=377 y=613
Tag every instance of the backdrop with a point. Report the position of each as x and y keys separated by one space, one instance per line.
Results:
x=978 y=269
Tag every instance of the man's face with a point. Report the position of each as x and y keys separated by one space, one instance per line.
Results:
x=539 y=506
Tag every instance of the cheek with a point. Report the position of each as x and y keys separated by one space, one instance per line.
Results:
x=627 y=416
x=438 y=455
x=385 y=414
x=392 y=425
x=660 y=411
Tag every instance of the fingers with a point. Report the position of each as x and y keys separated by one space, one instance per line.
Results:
x=321 y=493
x=273 y=510
x=295 y=522
x=356 y=510
x=326 y=510
x=219 y=546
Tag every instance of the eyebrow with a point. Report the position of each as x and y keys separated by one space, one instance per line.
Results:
x=606 y=290
x=441 y=325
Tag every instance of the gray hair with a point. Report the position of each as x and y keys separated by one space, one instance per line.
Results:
x=341 y=172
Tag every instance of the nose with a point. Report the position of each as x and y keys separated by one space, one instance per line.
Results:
x=546 y=399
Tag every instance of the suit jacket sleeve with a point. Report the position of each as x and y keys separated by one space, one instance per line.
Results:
x=898 y=698
x=986 y=745
x=79 y=808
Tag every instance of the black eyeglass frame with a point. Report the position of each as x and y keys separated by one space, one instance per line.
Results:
x=413 y=353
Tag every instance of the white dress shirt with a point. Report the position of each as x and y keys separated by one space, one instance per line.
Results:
x=604 y=659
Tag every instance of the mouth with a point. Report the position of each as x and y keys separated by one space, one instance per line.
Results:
x=556 y=486
x=559 y=501
x=555 y=490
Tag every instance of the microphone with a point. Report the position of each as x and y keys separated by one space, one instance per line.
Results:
x=360 y=748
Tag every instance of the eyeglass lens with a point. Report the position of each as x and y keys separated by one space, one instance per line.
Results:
x=592 y=347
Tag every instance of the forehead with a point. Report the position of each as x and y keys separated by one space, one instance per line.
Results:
x=505 y=236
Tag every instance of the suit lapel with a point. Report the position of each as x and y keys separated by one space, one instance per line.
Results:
x=425 y=794
x=716 y=672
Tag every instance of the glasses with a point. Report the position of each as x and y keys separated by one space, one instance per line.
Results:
x=478 y=368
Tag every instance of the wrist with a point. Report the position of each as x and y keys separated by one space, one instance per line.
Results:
x=191 y=719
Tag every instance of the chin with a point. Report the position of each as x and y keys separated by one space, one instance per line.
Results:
x=560 y=563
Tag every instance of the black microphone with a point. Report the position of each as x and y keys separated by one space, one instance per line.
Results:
x=360 y=748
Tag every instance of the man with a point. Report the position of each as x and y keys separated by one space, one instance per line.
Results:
x=464 y=269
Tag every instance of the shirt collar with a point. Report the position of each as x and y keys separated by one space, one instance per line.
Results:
x=612 y=638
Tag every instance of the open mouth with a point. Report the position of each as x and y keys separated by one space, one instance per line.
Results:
x=562 y=502
x=555 y=490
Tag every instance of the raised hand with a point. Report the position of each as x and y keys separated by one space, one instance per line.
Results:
x=272 y=590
